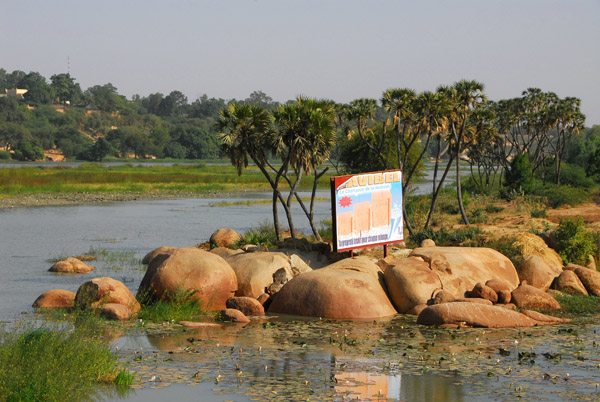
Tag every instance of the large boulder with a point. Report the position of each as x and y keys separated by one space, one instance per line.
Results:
x=101 y=291
x=231 y=314
x=530 y=244
x=538 y=273
x=411 y=282
x=254 y=271
x=114 y=311
x=156 y=252
x=224 y=238
x=590 y=279
x=481 y=315
x=246 y=305
x=206 y=276
x=484 y=292
x=71 y=265
x=529 y=297
x=225 y=252
x=55 y=298
x=460 y=268
x=569 y=282
x=473 y=315
x=348 y=289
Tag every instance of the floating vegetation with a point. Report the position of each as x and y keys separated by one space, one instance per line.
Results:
x=313 y=359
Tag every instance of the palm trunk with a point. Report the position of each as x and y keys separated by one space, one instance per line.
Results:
x=459 y=192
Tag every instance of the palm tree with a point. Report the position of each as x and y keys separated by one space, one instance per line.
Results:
x=245 y=131
x=306 y=131
x=466 y=96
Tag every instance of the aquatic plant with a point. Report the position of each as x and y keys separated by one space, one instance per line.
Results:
x=49 y=364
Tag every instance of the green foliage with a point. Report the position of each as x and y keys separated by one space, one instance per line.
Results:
x=181 y=306
x=493 y=209
x=519 y=175
x=444 y=237
x=557 y=196
x=264 y=236
x=50 y=364
x=577 y=305
x=574 y=242
x=538 y=213
x=570 y=175
x=505 y=245
x=326 y=230
x=478 y=215
x=5 y=155
x=28 y=151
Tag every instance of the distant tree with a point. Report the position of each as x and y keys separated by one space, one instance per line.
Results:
x=10 y=80
x=28 y=151
x=172 y=104
x=204 y=107
x=137 y=142
x=261 y=99
x=71 y=141
x=151 y=102
x=10 y=111
x=38 y=90
x=65 y=88
x=105 y=97
x=12 y=133
x=99 y=150
x=175 y=150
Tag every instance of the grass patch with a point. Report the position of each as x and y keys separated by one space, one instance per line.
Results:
x=578 y=305
x=96 y=178
x=539 y=213
x=468 y=236
x=182 y=306
x=46 y=364
x=263 y=236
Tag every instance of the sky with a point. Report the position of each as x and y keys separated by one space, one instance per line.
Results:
x=335 y=49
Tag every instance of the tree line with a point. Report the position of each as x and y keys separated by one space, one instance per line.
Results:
x=510 y=144
x=98 y=122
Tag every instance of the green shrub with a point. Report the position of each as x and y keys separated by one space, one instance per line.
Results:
x=181 y=306
x=505 y=245
x=578 y=305
x=557 y=196
x=574 y=242
x=570 y=175
x=55 y=364
x=519 y=175
x=5 y=155
x=445 y=237
x=493 y=209
x=538 y=213
x=478 y=215
x=326 y=229
x=264 y=236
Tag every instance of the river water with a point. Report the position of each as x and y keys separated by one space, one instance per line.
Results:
x=303 y=360
x=31 y=237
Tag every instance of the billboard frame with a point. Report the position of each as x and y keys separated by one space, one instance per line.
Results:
x=369 y=179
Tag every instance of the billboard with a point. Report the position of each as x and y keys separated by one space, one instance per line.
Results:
x=366 y=209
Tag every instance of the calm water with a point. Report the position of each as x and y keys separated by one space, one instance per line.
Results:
x=33 y=236
x=299 y=360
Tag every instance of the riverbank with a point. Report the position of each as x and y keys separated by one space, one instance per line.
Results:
x=60 y=199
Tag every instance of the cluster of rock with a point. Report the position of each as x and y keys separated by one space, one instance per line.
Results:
x=450 y=286
x=110 y=297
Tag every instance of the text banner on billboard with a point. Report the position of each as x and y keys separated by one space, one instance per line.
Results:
x=367 y=209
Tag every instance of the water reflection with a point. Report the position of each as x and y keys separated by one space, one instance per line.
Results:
x=375 y=387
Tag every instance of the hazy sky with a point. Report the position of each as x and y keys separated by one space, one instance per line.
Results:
x=337 y=49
